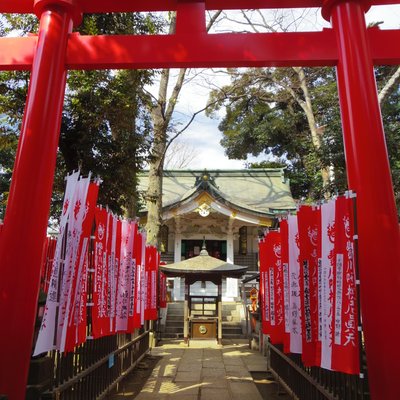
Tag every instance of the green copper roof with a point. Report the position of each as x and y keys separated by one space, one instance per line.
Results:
x=261 y=191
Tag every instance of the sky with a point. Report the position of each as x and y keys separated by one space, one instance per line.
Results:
x=204 y=135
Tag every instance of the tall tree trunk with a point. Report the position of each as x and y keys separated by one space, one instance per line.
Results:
x=391 y=84
x=161 y=114
x=154 y=193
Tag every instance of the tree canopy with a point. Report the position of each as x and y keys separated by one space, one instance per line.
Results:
x=105 y=129
x=264 y=114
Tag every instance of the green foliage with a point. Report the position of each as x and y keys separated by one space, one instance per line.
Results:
x=105 y=130
x=391 y=122
x=8 y=145
x=264 y=116
x=105 y=126
x=13 y=87
x=22 y=23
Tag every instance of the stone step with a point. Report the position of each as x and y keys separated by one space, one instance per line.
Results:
x=176 y=335
x=175 y=313
x=237 y=329
x=174 y=331
x=174 y=318
x=175 y=323
x=232 y=336
x=230 y=321
x=232 y=327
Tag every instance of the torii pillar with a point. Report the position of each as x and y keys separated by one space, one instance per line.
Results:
x=368 y=173
x=29 y=200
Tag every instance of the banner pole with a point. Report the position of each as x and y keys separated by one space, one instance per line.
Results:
x=353 y=196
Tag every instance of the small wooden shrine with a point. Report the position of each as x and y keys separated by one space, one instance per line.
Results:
x=203 y=314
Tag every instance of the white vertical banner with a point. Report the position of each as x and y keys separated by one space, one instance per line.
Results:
x=139 y=290
x=79 y=301
x=264 y=277
x=294 y=286
x=271 y=280
x=71 y=264
x=45 y=340
x=327 y=263
x=339 y=298
x=112 y=271
x=122 y=300
x=132 y=270
x=286 y=296
x=143 y=291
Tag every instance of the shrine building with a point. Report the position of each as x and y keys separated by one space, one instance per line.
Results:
x=230 y=209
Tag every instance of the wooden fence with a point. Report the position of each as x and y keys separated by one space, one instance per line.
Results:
x=94 y=368
x=314 y=383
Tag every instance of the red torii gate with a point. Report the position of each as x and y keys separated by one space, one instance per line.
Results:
x=349 y=46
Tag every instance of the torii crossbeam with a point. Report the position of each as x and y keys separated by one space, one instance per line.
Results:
x=349 y=46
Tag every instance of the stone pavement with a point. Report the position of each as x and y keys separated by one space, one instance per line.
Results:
x=204 y=371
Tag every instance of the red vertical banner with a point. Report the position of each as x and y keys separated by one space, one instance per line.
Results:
x=326 y=281
x=264 y=287
x=284 y=230
x=45 y=251
x=100 y=311
x=64 y=321
x=294 y=286
x=147 y=290
x=115 y=273
x=124 y=277
x=80 y=323
x=163 y=288
x=156 y=295
x=136 y=320
x=345 y=349
x=151 y=268
x=76 y=246
x=132 y=280
x=111 y=273
x=76 y=332
x=309 y=220
x=276 y=290
x=50 y=250
x=272 y=287
x=143 y=280
x=49 y=337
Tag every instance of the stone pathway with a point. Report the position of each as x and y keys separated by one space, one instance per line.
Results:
x=203 y=371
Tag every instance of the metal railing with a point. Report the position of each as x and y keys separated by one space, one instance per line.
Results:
x=313 y=383
x=94 y=368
